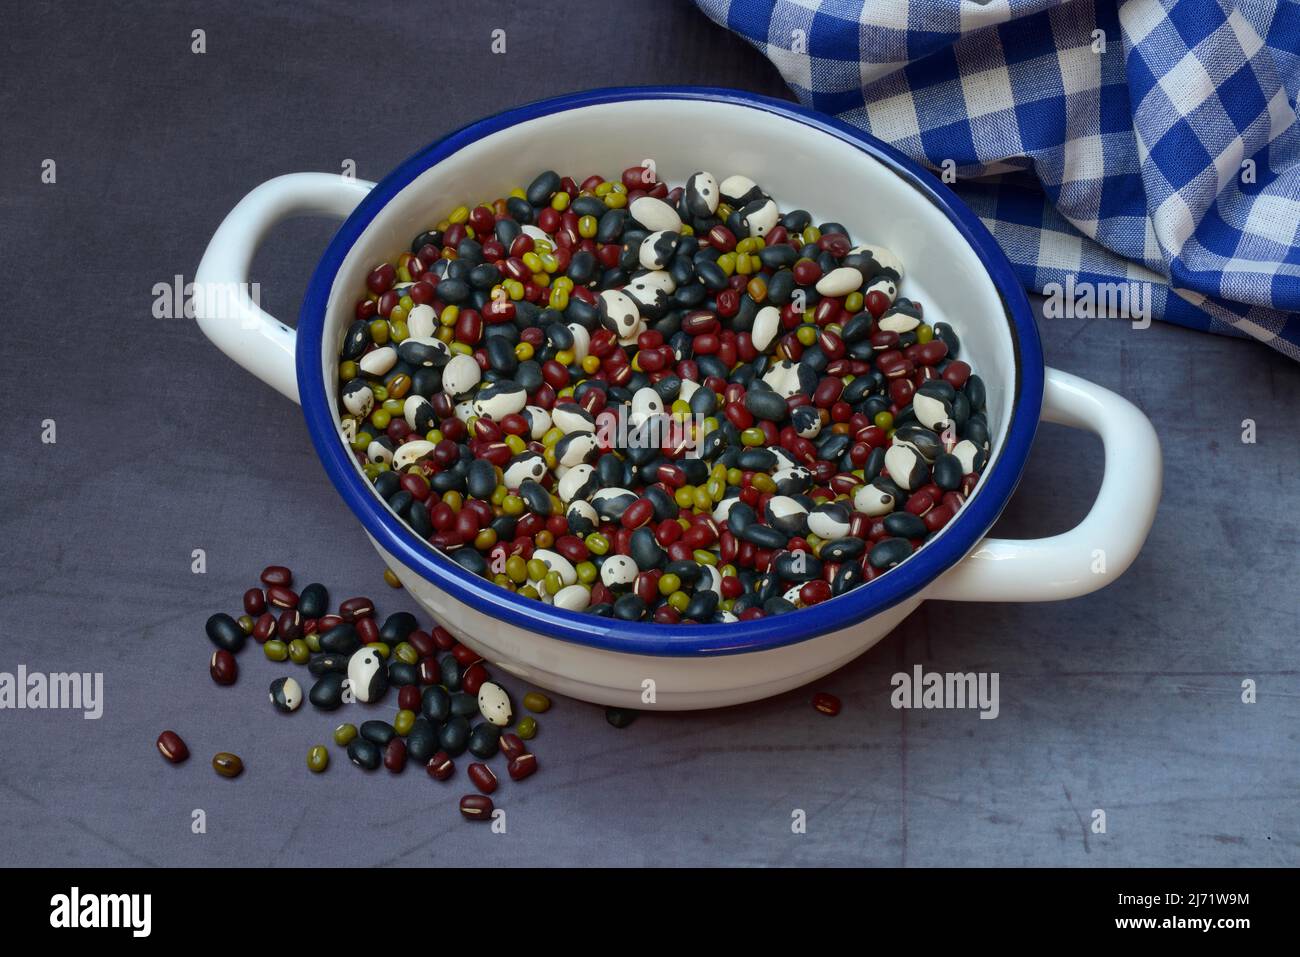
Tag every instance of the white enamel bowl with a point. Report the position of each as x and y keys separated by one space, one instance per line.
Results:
x=804 y=160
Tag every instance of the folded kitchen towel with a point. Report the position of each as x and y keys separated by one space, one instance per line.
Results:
x=1139 y=155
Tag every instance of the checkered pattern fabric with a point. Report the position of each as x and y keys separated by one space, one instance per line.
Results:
x=1151 y=142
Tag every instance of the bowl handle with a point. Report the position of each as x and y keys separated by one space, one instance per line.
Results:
x=226 y=312
x=1104 y=544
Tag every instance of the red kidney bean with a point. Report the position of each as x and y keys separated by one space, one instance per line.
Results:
x=807 y=272
x=721 y=238
x=440 y=766
x=264 y=628
x=933 y=352
x=814 y=592
x=223 y=667
x=482 y=777
x=367 y=630
x=429 y=670
x=408 y=698
x=826 y=703
x=356 y=608
x=901 y=391
x=827 y=392
x=920 y=502
x=956 y=373
x=512 y=745
x=876 y=302
x=395 y=755
x=290 y=624
x=422 y=642
x=473 y=678
x=282 y=597
x=638 y=513
x=254 y=601
x=525 y=765
x=476 y=807
x=465 y=655
x=277 y=575
x=171 y=747
x=938 y=517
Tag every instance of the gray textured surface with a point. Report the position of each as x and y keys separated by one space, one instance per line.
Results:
x=1127 y=700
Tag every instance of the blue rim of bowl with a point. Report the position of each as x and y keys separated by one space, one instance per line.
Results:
x=648 y=638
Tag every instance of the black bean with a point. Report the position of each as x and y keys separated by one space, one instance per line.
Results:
x=904 y=525
x=464 y=705
x=397 y=627
x=364 y=754
x=314 y=600
x=702 y=606
x=342 y=639
x=797 y=220
x=326 y=663
x=484 y=276
x=889 y=552
x=629 y=608
x=387 y=484
x=541 y=189
x=849 y=577
x=471 y=560
x=507 y=231
x=797 y=567
x=327 y=693
x=756 y=460
x=421 y=741
x=451 y=672
x=588 y=206
x=611 y=224
x=520 y=210
x=535 y=497
x=620 y=717
x=401 y=674
x=711 y=275
x=380 y=732
x=454 y=736
x=435 y=703
x=482 y=479
x=947 y=472
x=778 y=606
x=501 y=355
x=843 y=549
x=875 y=462
x=764 y=536
x=453 y=291
x=356 y=339
x=224 y=632
x=528 y=376
x=582 y=269
x=425 y=381
x=977 y=430
x=484 y=740
x=766 y=404
x=857 y=390
x=780 y=288
x=645 y=550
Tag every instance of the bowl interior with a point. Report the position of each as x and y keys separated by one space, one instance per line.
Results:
x=798 y=163
x=800 y=166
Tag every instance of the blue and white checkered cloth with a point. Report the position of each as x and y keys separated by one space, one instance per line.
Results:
x=1102 y=143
